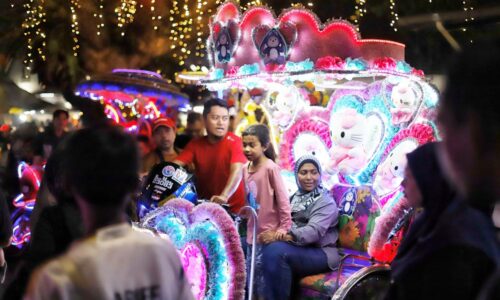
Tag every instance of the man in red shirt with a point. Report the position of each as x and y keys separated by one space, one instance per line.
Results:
x=218 y=159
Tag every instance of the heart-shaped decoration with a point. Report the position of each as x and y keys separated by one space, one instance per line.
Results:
x=223 y=40
x=360 y=131
x=390 y=172
x=209 y=245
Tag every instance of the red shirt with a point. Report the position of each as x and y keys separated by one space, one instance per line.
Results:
x=212 y=166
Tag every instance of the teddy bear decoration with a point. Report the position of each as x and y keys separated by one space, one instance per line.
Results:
x=274 y=43
x=223 y=40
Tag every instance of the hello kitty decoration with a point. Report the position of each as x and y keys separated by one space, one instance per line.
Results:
x=390 y=172
x=404 y=99
x=285 y=104
x=348 y=134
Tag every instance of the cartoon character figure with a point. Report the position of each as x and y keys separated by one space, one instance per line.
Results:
x=390 y=174
x=286 y=104
x=405 y=101
x=223 y=46
x=273 y=48
x=348 y=133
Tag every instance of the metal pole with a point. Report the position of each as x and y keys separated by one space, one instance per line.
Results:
x=253 y=215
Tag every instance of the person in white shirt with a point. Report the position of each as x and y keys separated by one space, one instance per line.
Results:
x=113 y=261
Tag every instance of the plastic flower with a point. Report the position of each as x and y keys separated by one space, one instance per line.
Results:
x=330 y=63
x=384 y=63
x=232 y=71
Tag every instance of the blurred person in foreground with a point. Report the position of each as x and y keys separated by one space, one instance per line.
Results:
x=469 y=117
x=55 y=224
x=450 y=248
x=5 y=234
x=112 y=261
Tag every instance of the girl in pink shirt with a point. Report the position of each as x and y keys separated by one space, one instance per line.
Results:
x=266 y=191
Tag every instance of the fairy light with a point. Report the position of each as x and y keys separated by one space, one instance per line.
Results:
x=125 y=13
x=99 y=15
x=394 y=14
x=175 y=29
x=75 y=29
x=28 y=25
x=468 y=8
x=253 y=3
x=154 y=17
x=359 y=11
x=200 y=25
x=41 y=18
x=182 y=26
x=33 y=31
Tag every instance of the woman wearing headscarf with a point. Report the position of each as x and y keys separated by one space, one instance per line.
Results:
x=450 y=249
x=310 y=245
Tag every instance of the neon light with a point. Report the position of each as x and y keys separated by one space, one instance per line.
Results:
x=145 y=72
x=111 y=113
x=151 y=106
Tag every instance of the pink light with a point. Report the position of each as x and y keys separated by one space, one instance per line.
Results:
x=382 y=41
x=135 y=71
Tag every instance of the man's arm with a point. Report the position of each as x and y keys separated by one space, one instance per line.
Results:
x=235 y=176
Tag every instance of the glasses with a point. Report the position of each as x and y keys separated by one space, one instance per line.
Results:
x=218 y=118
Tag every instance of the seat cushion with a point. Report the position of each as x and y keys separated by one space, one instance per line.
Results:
x=323 y=286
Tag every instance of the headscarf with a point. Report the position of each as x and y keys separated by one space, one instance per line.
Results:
x=436 y=193
x=302 y=199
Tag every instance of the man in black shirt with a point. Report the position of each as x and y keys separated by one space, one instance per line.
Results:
x=50 y=138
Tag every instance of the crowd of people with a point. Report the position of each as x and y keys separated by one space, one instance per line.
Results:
x=83 y=247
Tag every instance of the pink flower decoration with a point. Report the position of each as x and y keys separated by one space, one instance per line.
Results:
x=384 y=63
x=329 y=63
x=275 y=68
x=418 y=72
x=232 y=71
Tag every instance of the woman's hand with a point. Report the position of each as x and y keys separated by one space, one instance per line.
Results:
x=270 y=236
x=267 y=237
x=280 y=235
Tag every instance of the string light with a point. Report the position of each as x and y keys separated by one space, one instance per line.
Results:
x=27 y=25
x=468 y=8
x=41 y=19
x=359 y=11
x=154 y=17
x=125 y=13
x=394 y=14
x=99 y=16
x=254 y=3
x=200 y=24
x=33 y=30
x=75 y=29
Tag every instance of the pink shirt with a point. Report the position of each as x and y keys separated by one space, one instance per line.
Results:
x=267 y=186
